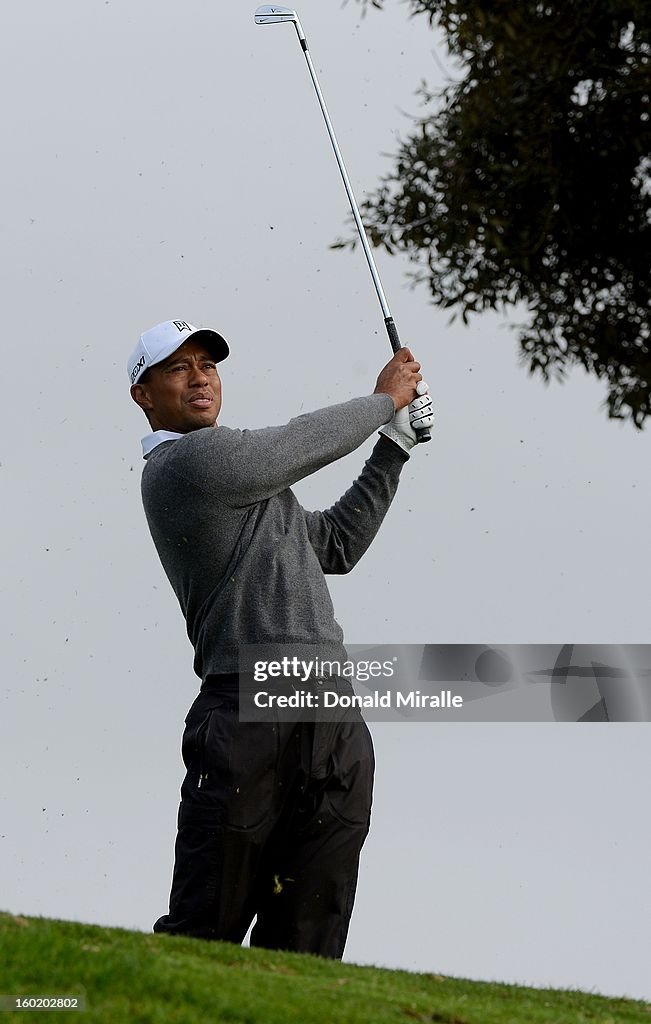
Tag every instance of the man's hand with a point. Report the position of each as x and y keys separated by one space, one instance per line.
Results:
x=420 y=413
x=399 y=379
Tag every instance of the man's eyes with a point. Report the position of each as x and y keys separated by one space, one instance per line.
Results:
x=208 y=365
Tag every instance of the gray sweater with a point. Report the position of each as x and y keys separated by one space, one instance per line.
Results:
x=246 y=562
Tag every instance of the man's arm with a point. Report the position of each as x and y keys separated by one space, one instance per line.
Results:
x=242 y=467
x=341 y=535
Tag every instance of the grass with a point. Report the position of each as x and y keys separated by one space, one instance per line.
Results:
x=159 y=979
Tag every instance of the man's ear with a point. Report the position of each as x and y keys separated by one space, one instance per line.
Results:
x=141 y=397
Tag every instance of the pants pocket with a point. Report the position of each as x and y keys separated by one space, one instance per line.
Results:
x=348 y=785
x=231 y=767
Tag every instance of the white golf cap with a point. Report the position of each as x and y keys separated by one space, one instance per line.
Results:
x=160 y=341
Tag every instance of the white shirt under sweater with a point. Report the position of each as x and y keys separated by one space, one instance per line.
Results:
x=246 y=561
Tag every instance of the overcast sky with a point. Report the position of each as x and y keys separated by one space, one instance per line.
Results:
x=169 y=160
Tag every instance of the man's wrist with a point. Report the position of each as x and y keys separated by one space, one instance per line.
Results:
x=393 y=401
x=391 y=448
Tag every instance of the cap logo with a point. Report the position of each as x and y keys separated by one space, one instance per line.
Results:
x=137 y=368
x=181 y=325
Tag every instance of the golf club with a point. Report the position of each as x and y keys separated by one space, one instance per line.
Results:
x=270 y=14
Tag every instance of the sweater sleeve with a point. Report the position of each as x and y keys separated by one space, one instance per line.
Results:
x=241 y=467
x=341 y=535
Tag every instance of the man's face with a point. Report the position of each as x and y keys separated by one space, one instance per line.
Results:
x=182 y=393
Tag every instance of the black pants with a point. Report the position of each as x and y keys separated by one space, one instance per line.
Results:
x=272 y=820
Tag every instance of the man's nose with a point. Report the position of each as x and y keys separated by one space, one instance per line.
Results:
x=198 y=375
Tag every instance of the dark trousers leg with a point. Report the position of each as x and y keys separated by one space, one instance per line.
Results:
x=272 y=821
x=308 y=875
x=212 y=895
x=236 y=777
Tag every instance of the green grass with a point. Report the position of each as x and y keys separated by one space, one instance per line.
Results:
x=130 y=976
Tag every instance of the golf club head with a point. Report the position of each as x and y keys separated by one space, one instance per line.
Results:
x=269 y=14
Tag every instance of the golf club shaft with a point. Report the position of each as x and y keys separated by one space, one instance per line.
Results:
x=389 y=323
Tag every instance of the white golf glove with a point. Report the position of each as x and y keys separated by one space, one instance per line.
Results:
x=420 y=412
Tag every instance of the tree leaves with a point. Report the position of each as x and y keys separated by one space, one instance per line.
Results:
x=529 y=181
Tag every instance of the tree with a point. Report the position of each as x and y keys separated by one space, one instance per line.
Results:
x=530 y=183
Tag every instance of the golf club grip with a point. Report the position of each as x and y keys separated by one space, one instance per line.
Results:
x=423 y=434
x=392 y=331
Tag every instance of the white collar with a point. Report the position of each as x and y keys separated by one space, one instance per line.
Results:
x=153 y=440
